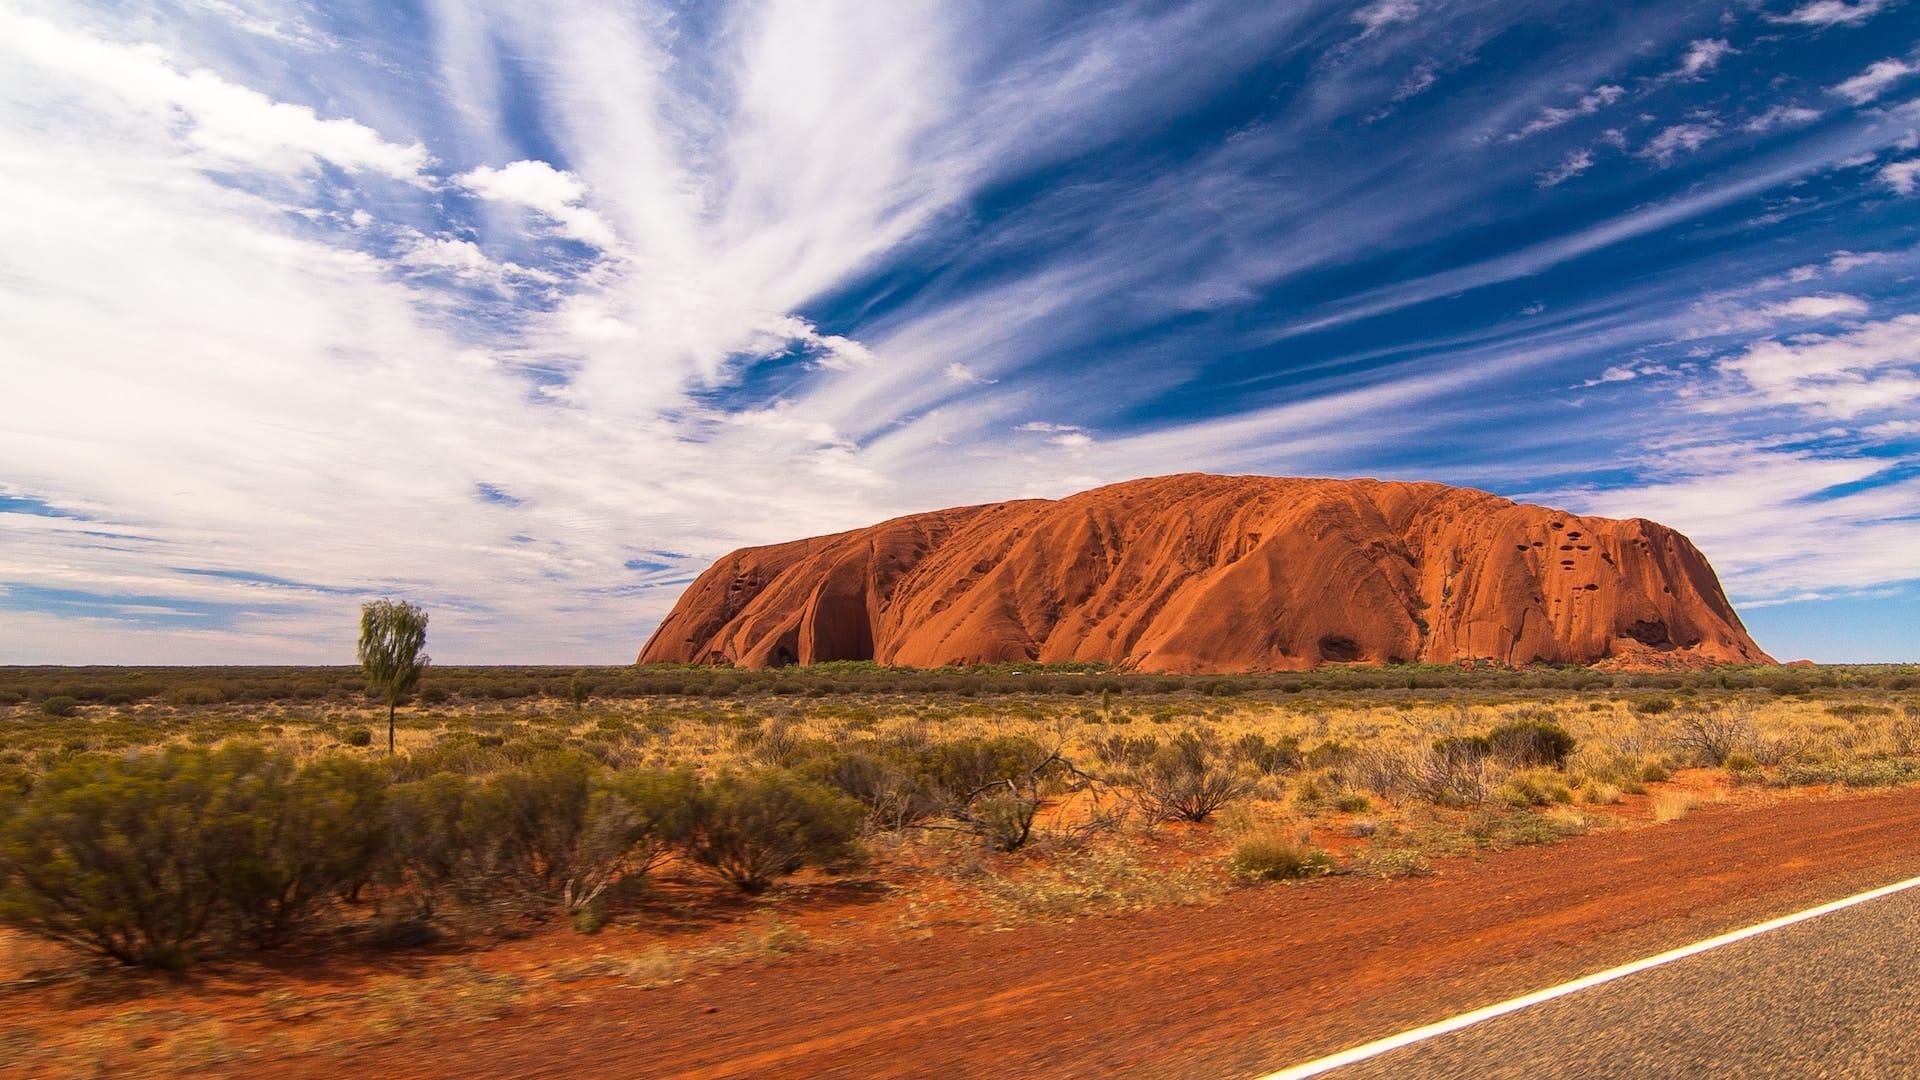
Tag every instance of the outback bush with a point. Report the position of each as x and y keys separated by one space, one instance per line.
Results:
x=891 y=781
x=1192 y=777
x=752 y=829
x=1329 y=755
x=60 y=705
x=961 y=767
x=1270 y=756
x=565 y=834
x=439 y=844
x=358 y=737
x=1447 y=777
x=196 y=695
x=126 y=857
x=1463 y=749
x=288 y=841
x=1530 y=742
x=1125 y=751
x=1273 y=854
x=1712 y=736
x=1524 y=789
x=991 y=787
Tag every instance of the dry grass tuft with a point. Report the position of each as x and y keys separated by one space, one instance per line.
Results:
x=1673 y=805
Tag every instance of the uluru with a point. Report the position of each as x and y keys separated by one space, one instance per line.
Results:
x=1198 y=573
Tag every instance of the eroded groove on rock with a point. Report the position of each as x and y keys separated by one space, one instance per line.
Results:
x=1201 y=573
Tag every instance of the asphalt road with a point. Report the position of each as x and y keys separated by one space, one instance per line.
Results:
x=1836 y=996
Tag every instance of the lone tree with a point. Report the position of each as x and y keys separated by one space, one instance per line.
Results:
x=392 y=633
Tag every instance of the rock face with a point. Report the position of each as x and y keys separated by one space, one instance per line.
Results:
x=1201 y=573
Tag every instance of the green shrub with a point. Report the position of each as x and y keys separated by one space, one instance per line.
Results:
x=1462 y=749
x=1126 y=751
x=59 y=705
x=358 y=737
x=753 y=829
x=960 y=767
x=1192 y=777
x=122 y=856
x=292 y=840
x=1329 y=755
x=196 y=695
x=1526 y=743
x=1270 y=757
x=892 y=782
x=564 y=835
x=1524 y=790
x=439 y=845
x=1880 y=772
x=1275 y=854
x=1651 y=706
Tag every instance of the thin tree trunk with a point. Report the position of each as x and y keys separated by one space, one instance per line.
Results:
x=390 y=706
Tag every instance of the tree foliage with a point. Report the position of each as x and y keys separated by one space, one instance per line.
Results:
x=751 y=829
x=393 y=637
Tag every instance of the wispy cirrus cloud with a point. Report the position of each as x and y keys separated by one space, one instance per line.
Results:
x=1876 y=79
x=1703 y=56
x=526 y=314
x=1553 y=116
x=1671 y=142
x=1823 y=13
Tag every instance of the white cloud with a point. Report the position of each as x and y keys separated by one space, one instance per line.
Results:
x=1832 y=13
x=1892 y=429
x=1575 y=163
x=1381 y=14
x=961 y=373
x=1780 y=116
x=1703 y=56
x=1842 y=261
x=1770 y=520
x=536 y=185
x=1819 y=306
x=279 y=22
x=1673 y=141
x=1902 y=176
x=464 y=260
x=226 y=124
x=1554 y=116
x=1724 y=318
x=300 y=378
x=1873 y=368
x=1875 y=80
x=1614 y=374
x=1418 y=82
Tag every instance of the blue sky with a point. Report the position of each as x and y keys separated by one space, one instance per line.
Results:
x=527 y=311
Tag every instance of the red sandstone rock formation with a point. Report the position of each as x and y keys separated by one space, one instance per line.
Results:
x=1201 y=573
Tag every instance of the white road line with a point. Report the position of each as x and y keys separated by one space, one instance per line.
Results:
x=1421 y=1034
